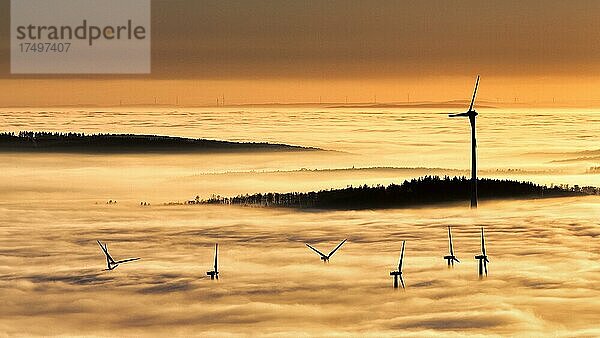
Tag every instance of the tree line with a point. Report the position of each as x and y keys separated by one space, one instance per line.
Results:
x=43 y=140
x=418 y=191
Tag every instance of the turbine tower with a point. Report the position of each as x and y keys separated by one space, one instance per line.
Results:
x=451 y=258
x=472 y=114
x=483 y=259
x=398 y=274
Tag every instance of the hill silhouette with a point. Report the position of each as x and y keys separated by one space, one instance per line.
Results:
x=418 y=191
x=27 y=141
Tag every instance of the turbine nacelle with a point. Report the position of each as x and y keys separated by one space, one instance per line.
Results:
x=111 y=267
x=397 y=276
x=482 y=257
x=483 y=261
x=470 y=114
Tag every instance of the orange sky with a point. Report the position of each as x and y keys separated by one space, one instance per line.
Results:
x=298 y=51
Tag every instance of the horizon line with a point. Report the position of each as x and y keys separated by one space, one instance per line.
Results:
x=422 y=104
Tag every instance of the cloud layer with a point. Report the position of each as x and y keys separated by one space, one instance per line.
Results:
x=542 y=260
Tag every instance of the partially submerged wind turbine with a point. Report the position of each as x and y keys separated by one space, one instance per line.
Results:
x=215 y=273
x=111 y=264
x=324 y=257
x=398 y=274
x=472 y=114
x=451 y=258
x=483 y=258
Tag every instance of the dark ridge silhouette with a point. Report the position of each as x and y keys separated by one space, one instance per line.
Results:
x=448 y=104
x=27 y=141
x=425 y=170
x=593 y=170
x=418 y=191
x=578 y=159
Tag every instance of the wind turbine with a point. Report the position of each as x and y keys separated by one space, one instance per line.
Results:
x=110 y=262
x=398 y=274
x=483 y=258
x=215 y=273
x=324 y=257
x=451 y=258
x=472 y=114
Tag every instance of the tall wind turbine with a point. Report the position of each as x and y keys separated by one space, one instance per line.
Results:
x=451 y=258
x=215 y=273
x=483 y=258
x=472 y=114
x=398 y=274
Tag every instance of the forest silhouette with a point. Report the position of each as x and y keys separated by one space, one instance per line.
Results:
x=418 y=191
x=116 y=143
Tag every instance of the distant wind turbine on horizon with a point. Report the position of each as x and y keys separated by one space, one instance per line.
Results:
x=398 y=274
x=324 y=257
x=451 y=258
x=472 y=114
x=111 y=264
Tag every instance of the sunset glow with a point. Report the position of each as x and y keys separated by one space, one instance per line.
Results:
x=282 y=132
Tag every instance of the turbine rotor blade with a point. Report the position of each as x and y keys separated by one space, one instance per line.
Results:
x=105 y=250
x=450 y=242
x=126 y=260
x=474 y=94
x=336 y=248
x=315 y=250
x=402 y=282
x=216 y=255
x=482 y=242
x=102 y=247
x=459 y=115
x=401 y=256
